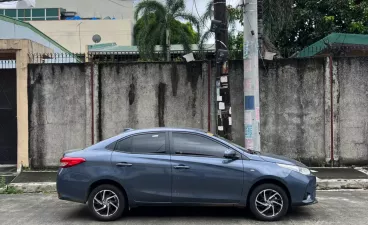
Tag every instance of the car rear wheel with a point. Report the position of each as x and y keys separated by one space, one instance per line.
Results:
x=106 y=202
x=269 y=202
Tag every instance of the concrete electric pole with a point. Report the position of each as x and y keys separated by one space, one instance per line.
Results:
x=220 y=27
x=251 y=77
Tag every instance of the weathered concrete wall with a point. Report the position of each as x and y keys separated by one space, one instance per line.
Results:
x=295 y=105
x=59 y=107
x=352 y=108
x=292 y=108
x=152 y=95
x=136 y=95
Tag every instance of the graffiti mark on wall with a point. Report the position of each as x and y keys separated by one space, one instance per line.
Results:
x=247 y=85
x=248 y=131
x=246 y=50
x=249 y=144
x=257 y=114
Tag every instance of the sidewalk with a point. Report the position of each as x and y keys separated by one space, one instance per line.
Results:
x=327 y=179
x=341 y=178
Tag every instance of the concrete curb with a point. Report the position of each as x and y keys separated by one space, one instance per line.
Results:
x=342 y=184
x=34 y=187
x=321 y=185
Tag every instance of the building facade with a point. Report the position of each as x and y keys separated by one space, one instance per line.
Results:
x=75 y=35
x=119 y=9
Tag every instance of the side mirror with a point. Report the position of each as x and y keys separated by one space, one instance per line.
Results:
x=230 y=154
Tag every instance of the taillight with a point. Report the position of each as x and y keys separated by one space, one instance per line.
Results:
x=66 y=162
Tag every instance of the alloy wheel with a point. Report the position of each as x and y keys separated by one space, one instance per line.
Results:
x=269 y=203
x=106 y=203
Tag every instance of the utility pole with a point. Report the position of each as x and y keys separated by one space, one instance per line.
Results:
x=251 y=77
x=224 y=120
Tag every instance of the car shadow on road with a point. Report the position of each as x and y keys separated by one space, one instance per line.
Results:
x=82 y=213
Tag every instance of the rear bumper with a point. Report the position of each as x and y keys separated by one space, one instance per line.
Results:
x=71 y=186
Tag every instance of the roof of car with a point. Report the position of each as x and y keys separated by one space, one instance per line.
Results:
x=130 y=131
x=165 y=129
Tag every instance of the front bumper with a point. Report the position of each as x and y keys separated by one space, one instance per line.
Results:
x=310 y=201
x=302 y=189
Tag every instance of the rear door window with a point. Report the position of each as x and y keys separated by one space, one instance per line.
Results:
x=124 y=145
x=152 y=143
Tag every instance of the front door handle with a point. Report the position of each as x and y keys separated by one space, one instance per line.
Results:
x=124 y=164
x=181 y=167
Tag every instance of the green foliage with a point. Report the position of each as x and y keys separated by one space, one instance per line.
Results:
x=157 y=23
x=2 y=182
x=312 y=20
x=8 y=189
x=175 y=37
x=292 y=25
x=12 y=190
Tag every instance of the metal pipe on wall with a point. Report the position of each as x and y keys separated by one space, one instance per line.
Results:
x=92 y=105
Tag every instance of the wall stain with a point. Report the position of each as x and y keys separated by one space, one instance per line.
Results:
x=117 y=68
x=194 y=71
x=174 y=79
x=53 y=70
x=36 y=134
x=161 y=104
x=131 y=94
x=300 y=134
x=132 y=98
x=61 y=68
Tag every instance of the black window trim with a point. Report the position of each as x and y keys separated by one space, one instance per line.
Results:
x=167 y=152
x=172 y=151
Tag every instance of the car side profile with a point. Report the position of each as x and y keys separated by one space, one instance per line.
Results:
x=181 y=167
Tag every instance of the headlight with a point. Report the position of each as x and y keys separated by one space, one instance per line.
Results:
x=298 y=169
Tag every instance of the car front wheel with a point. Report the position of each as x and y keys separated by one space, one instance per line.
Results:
x=269 y=202
x=106 y=202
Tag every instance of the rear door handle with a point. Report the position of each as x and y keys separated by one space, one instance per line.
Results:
x=124 y=164
x=181 y=167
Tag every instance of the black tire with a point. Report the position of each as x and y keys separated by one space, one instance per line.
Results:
x=109 y=190
x=270 y=189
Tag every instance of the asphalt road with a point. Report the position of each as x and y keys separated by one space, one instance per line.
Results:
x=335 y=207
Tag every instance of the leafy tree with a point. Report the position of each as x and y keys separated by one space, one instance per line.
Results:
x=158 y=23
x=315 y=19
x=274 y=17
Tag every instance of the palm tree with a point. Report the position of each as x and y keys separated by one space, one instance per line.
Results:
x=160 y=23
x=273 y=17
x=208 y=16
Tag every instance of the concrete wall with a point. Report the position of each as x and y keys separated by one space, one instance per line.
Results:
x=59 y=111
x=135 y=95
x=121 y=9
x=296 y=105
x=292 y=108
x=352 y=110
x=75 y=40
x=152 y=95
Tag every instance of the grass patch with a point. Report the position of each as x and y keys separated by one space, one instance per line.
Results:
x=12 y=191
x=8 y=189
x=2 y=182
